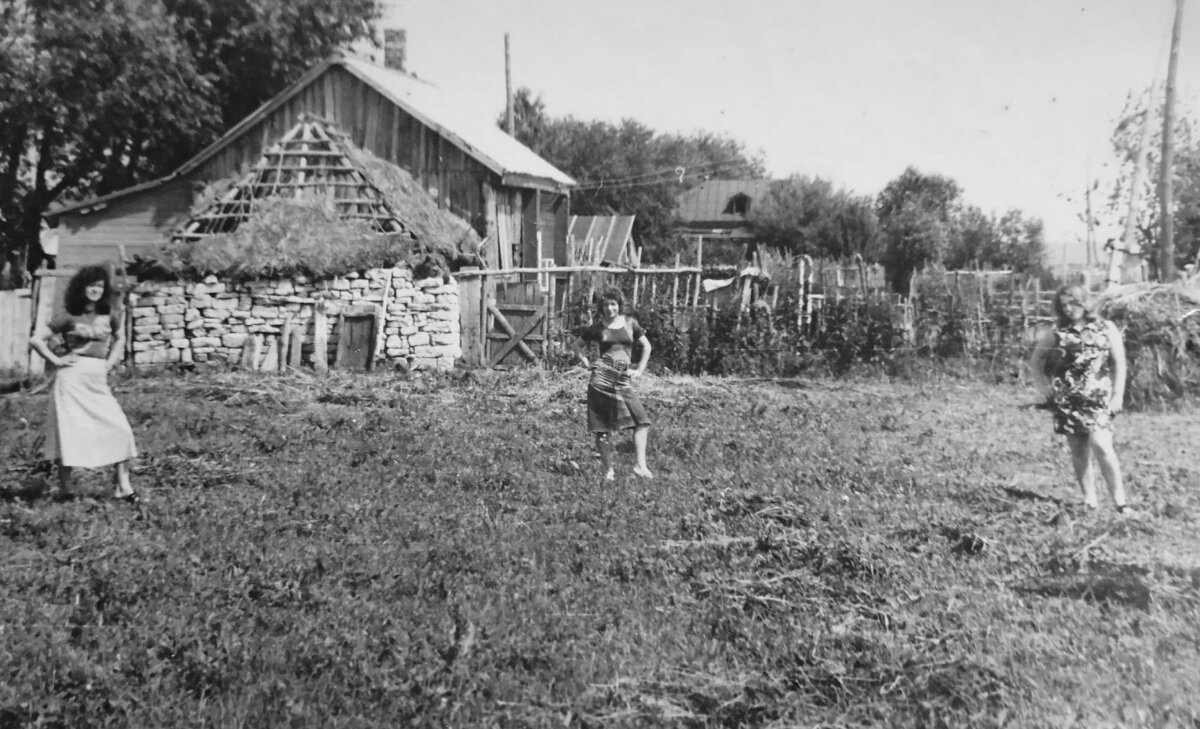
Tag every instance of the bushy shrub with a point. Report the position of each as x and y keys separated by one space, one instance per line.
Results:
x=766 y=341
x=854 y=331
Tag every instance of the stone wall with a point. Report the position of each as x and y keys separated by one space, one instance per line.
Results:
x=225 y=323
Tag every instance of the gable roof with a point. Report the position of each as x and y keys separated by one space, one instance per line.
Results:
x=596 y=239
x=312 y=158
x=474 y=132
x=706 y=204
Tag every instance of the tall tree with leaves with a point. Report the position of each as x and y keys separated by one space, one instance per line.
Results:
x=628 y=168
x=808 y=216
x=1126 y=144
x=96 y=95
x=916 y=213
x=249 y=50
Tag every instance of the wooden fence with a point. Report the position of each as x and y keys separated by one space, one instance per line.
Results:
x=16 y=321
x=518 y=316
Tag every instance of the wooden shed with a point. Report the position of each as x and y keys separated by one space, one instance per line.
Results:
x=516 y=201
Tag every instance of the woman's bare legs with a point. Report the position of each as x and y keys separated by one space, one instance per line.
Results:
x=1081 y=459
x=1110 y=467
x=641 y=436
x=121 y=477
x=604 y=445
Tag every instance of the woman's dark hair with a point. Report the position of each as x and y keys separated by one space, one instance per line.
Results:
x=611 y=293
x=76 y=297
x=1075 y=294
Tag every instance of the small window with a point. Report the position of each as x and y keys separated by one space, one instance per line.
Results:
x=739 y=204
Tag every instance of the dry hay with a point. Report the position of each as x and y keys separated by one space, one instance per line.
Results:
x=444 y=233
x=1162 y=338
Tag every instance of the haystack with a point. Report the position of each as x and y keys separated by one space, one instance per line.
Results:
x=1162 y=338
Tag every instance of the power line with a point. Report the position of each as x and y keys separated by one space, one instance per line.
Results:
x=655 y=177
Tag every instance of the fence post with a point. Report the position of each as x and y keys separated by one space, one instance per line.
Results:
x=675 y=286
x=470 y=315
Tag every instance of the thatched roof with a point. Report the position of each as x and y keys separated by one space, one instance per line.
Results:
x=315 y=159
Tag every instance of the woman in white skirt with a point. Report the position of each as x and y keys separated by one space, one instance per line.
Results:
x=86 y=428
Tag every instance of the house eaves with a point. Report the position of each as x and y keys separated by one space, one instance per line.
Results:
x=513 y=162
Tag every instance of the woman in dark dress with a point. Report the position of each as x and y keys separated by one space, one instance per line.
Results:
x=1080 y=368
x=613 y=405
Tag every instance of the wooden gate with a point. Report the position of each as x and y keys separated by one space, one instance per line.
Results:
x=504 y=317
x=516 y=315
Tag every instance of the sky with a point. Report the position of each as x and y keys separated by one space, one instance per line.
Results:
x=1015 y=100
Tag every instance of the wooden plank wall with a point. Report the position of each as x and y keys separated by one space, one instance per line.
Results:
x=16 y=317
x=508 y=217
x=139 y=222
x=374 y=123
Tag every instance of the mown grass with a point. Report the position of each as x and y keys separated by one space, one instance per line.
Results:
x=381 y=552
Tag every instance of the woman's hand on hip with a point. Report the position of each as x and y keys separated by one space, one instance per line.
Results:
x=67 y=360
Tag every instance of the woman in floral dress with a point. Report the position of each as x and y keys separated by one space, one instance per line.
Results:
x=1080 y=367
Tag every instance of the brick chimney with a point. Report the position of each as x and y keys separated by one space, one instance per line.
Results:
x=394 y=42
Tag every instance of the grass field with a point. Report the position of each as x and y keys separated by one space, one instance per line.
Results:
x=386 y=552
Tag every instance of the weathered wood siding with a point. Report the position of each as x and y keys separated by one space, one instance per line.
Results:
x=140 y=222
x=458 y=181
x=373 y=123
x=16 y=318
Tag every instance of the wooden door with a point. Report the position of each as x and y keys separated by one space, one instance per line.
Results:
x=356 y=342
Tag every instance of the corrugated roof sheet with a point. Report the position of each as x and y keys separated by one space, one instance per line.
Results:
x=475 y=128
x=605 y=236
x=706 y=203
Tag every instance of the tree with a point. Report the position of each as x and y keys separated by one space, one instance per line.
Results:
x=807 y=216
x=249 y=50
x=1022 y=245
x=974 y=242
x=915 y=236
x=1011 y=242
x=628 y=168
x=916 y=213
x=1126 y=138
x=97 y=95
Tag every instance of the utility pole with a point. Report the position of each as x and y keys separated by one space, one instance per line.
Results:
x=1166 y=249
x=510 y=123
x=1089 y=242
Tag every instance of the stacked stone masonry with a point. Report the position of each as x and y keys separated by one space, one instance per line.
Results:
x=212 y=321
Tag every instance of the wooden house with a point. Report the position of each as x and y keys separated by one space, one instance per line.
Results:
x=516 y=201
x=716 y=213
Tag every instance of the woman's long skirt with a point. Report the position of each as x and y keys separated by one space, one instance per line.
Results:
x=612 y=402
x=86 y=428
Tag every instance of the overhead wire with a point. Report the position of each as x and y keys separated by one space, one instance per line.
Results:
x=655 y=177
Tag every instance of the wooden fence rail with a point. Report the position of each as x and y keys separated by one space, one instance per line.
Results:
x=522 y=315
